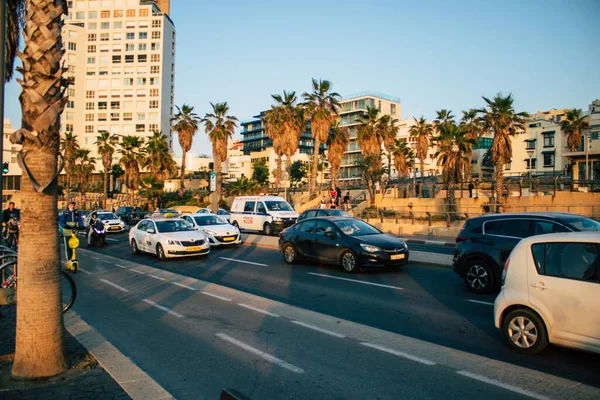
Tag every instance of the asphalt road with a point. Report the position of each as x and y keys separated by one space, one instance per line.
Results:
x=420 y=301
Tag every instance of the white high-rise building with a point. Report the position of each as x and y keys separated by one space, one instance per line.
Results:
x=121 y=55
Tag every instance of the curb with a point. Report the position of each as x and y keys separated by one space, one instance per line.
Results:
x=433 y=242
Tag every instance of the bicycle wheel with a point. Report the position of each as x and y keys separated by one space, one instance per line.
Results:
x=69 y=291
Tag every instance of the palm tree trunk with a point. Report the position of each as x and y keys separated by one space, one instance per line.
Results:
x=451 y=197
x=499 y=178
x=278 y=177
x=182 y=178
x=105 y=186
x=215 y=206
x=422 y=179
x=315 y=169
x=39 y=344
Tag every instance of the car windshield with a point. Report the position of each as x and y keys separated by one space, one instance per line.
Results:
x=125 y=209
x=583 y=224
x=222 y=212
x=338 y=213
x=176 y=225
x=209 y=220
x=278 y=206
x=106 y=216
x=167 y=211
x=356 y=228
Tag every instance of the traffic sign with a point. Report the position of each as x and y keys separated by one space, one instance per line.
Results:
x=213 y=181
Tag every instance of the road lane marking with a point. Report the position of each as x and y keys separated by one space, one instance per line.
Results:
x=157 y=277
x=502 y=385
x=216 y=296
x=95 y=258
x=112 y=240
x=356 y=281
x=242 y=261
x=163 y=308
x=399 y=353
x=487 y=303
x=258 y=310
x=121 y=266
x=121 y=288
x=316 y=328
x=260 y=353
x=83 y=270
x=136 y=271
x=183 y=286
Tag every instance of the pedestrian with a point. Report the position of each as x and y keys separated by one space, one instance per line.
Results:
x=70 y=223
x=332 y=203
x=338 y=194
x=323 y=203
x=471 y=187
x=347 y=201
x=6 y=215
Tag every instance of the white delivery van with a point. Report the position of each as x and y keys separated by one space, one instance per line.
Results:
x=268 y=214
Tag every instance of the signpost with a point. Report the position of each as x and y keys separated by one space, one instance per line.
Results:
x=214 y=196
x=213 y=181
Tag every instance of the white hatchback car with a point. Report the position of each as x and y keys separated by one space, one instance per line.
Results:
x=218 y=231
x=168 y=237
x=111 y=222
x=551 y=293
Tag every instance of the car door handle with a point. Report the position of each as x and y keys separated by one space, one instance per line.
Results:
x=539 y=285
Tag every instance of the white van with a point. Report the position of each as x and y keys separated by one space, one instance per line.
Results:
x=268 y=214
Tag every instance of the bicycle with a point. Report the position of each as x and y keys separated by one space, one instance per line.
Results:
x=8 y=280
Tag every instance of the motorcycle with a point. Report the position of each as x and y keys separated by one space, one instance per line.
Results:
x=98 y=234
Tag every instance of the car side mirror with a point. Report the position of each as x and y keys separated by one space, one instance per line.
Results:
x=151 y=231
x=330 y=235
x=196 y=228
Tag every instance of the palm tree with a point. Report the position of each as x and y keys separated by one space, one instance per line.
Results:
x=500 y=118
x=151 y=189
x=370 y=167
x=243 y=186
x=158 y=158
x=369 y=136
x=444 y=117
x=337 y=142
x=404 y=157
x=106 y=148
x=219 y=127
x=471 y=124
x=132 y=155
x=186 y=125
x=572 y=126
x=322 y=109
x=39 y=344
x=389 y=131
x=274 y=130
x=422 y=131
x=69 y=145
x=84 y=166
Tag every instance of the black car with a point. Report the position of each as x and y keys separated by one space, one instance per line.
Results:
x=127 y=215
x=322 y=212
x=349 y=242
x=484 y=243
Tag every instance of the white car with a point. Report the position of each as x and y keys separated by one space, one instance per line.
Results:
x=218 y=230
x=551 y=292
x=220 y=212
x=111 y=222
x=168 y=237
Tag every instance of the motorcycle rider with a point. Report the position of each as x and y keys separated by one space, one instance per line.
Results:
x=12 y=228
x=93 y=220
x=6 y=214
x=70 y=222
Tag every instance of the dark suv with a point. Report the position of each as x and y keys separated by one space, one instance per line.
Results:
x=484 y=243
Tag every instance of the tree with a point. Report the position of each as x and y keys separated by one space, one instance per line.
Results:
x=185 y=123
x=371 y=172
x=337 y=142
x=243 y=186
x=220 y=127
x=39 y=344
x=500 y=118
x=389 y=132
x=404 y=157
x=158 y=158
x=69 y=146
x=84 y=166
x=260 y=172
x=106 y=148
x=471 y=124
x=297 y=172
x=132 y=155
x=152 y=189
x=422 y=131
x=117 y=171
x=573 y=126
x=322 y=109
x=444 y=118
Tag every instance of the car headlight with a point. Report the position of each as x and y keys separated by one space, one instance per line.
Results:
x=370 y=248
x=175 y=242
x=209 y=232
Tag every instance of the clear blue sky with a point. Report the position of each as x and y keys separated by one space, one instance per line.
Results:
x=431 y=54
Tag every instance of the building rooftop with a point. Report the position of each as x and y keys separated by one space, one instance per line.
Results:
x=370 y=93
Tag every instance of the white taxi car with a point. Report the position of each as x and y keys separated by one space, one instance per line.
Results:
x=218 y=230
x=111 y=222
x=168 y=237
x=551 y=292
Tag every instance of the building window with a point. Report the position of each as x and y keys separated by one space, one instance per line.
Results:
x=102 y=105
x=143 y=12
x=129 y=47
x=142 y=47
x=92 y=26
x=91 y=48
x=127 y=116
x=89 y=105
x=89 y=129
x=115 y=105
x=105 y=14
x=153 y=103
x=153 y=127
x=103 y=71
x=141 y=81
x=156 y=23
x=69 y=128
x=114 y=116
x=155 y=57
x=530 y=144
x=507 y=166
x=91 y=60
x=118 y=13
x=155 y=69
x=129 y=58
x=392 y=109
x=143 y=35
x=70 y=92
x=548 y=159
x=90 y=94
x=91 y=37
x=141 y=116
x=72 y=46
x=117 y=47
x=89 y=117
x=102 y=94
x=104 y=60
x=155 y=34
x=548 y=139
x=128 y=82
x=104 y=48
x=130 y=36
x=105 y=25
x=116 y=59
x=79 y=15
x=118 y=25
x=153 y=92
x=533 y=163
x=130 y=13
x=155 y=46
x=143 y=24
x=153 y=81
x=141 y=93
x=70 y=104
x=140 y=128
x=104 y=37
x=92 y=14
x=142 y=58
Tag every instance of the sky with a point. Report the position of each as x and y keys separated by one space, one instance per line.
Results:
x=430 y=54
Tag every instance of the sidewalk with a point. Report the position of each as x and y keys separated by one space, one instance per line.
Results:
x=85 y=379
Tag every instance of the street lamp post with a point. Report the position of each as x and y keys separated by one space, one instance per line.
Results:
x=530 y=154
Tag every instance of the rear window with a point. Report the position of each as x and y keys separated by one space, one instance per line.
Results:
x=583 y=224
x=516 y=228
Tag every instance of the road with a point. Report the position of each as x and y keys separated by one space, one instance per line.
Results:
x=413 y=333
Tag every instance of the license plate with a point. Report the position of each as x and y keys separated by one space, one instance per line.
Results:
x=397 y=257
x=113 y=228
x=229 y=238
x=194 y=248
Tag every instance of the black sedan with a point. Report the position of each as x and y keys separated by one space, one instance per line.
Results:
x=348 y=242
x=322 y=212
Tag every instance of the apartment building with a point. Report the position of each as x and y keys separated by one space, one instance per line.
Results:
x=121 y=57
x=586 y=159
x=237 y=165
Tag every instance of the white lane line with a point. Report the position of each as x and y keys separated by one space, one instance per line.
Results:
x=487 y=303
x=84 y=271
x=502 y=385
x=95 y=258
x=242 y=261
x=399 y=353
x=261 y=353
x=136 y=271
x=356 y=281
x=316 y=328
x=121 y=288
x=157 y=277
x=163 y=308
x=258 y=310
x=121 y=266
x=216 y=296
x=183 y=286
x=112 y=240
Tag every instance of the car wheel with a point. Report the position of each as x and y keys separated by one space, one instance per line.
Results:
x=160 y=252
x=349 y=261
x=134 y=248
x=267 y=229
x=289 y=253
x=525 y=331
x=479 y=276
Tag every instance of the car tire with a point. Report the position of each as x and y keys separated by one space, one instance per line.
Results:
x=349 y=262
x=160 y=252
x=267 y=229
x=134 y=248
x=525 y=331
x=290 y=255
x=479 y=276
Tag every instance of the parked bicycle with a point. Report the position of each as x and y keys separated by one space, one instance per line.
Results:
x=8 y=281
